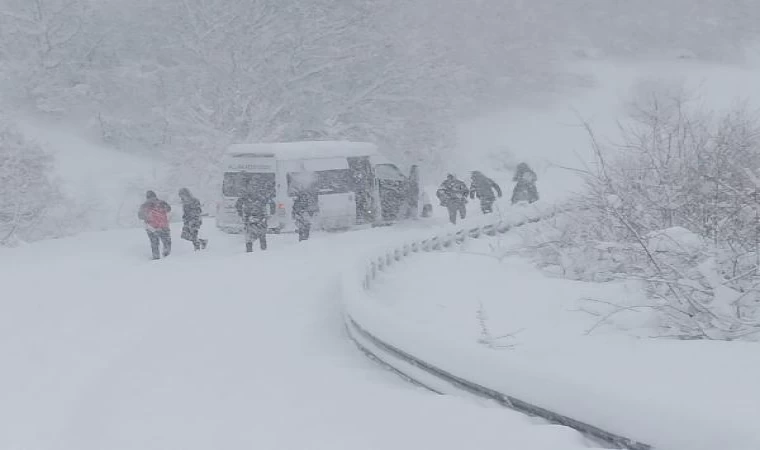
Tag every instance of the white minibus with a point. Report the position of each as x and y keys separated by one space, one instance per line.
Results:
x=354 y=183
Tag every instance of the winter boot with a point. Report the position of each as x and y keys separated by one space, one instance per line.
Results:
x=249 y=247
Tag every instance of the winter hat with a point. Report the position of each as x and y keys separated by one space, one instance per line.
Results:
x=150 y=195
x=185 y=192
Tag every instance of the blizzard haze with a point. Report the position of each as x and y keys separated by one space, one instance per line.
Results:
x=176 y=81
x=624 y=297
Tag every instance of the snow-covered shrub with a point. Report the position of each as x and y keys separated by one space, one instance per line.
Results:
x=676 y=206
x=26 y=188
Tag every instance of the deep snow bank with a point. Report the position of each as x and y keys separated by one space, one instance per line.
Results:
x=453 y=309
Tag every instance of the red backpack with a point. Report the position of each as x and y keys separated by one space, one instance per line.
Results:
x=156 y=217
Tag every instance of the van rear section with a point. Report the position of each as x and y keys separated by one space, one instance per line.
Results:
x=242 y=172
x=331 y=181
x=342 y=184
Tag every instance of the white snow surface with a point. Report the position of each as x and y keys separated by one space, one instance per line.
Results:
x=541 y=347
x=104 y=349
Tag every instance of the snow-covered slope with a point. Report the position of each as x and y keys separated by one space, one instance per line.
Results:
x=106 y=183
x=550 y=135
x=103 y=349
x=506 y=326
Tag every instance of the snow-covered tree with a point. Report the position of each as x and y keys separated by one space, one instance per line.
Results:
x=27 y=189
x=676 y=206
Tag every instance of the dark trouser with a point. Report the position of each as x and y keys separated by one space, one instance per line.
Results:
x=165 y=237
x=454 y=208
x=303 y=225
x=524 y=192
x=486 y=205
x=252 y=232
x=190 y=232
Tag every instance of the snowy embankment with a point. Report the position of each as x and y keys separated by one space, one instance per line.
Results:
x=550 y=135
x=505 y=326
x=104 y=349
x=106 y=183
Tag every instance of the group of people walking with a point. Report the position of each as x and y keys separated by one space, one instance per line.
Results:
x=155 y=215
x=454 y=193
x=255 y=208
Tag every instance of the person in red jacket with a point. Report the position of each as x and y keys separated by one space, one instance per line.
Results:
x=155 y=214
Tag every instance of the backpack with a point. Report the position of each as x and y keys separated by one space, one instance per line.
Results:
x=528 y=177
x=156 y=217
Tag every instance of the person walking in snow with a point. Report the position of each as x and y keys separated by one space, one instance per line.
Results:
x=252 y=209
x=453 y=195
x=485 y=189
x=525 y=187
x=305 y=205
x=155 y=214
x=191 y=219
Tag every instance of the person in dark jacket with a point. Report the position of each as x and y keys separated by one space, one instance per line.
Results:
x=155 y=214
x=453 y=195
x=191 y=219
x=305 y=205
x=485 y=189
x=252 y=209
x=525 y=187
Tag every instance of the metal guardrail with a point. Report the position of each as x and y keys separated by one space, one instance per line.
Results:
x=358 y=333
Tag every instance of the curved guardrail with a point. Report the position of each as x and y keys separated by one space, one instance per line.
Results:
x=389 y=355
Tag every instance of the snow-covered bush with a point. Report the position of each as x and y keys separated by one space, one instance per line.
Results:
x=26 y=189
x=676 y=206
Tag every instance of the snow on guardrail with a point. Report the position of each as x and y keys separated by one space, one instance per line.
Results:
x=360 y=276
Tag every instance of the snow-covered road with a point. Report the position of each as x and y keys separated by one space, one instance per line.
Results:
x=103 y=349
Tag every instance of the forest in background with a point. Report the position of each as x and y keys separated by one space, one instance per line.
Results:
x=177 y=80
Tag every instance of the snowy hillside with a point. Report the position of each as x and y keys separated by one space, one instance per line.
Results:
x=559 y=344
x=106 y=183
x=550 y=135
x=633 y=311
